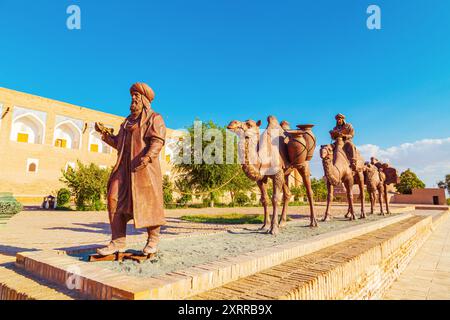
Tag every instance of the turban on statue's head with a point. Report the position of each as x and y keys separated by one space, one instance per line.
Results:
x=339 y=116
x=144 y=90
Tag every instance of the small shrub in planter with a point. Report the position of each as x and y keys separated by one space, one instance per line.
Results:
x=63 y=197
x=9 y=205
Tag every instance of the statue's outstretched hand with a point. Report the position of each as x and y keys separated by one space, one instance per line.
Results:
x=99 y=127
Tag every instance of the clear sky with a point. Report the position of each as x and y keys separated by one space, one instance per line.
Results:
x=303 y=61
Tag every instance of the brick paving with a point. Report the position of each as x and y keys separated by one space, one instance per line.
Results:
x=427 y=277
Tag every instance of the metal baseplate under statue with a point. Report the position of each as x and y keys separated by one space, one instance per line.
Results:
x=121 y=256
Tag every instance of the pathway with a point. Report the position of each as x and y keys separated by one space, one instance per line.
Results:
x=428 y=274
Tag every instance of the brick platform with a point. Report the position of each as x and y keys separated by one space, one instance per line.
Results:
x=99 y=283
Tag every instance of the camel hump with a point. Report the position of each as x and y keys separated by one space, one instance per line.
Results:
x=272 y=149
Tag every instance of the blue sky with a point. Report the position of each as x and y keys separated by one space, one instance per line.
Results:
x=303 y=61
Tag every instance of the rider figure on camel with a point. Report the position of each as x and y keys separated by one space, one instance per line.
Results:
x=345 y=131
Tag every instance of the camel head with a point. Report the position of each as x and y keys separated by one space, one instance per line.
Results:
x=326 y=152
x=369 y=169
x=272 y=122
x=248 y=129
x=285 y=125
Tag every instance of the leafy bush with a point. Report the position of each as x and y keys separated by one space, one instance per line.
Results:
x=297 y=192
x=448 y=201
x=88 y=183
x=241 y=199
x=9 y=205
x=63 y=197
x=167 y=191
x=319 y=188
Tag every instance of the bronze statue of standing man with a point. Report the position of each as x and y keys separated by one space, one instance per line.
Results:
x=135 y=185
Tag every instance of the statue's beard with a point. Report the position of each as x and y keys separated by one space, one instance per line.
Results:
x=135 y=109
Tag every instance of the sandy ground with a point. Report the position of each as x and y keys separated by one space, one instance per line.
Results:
x=176 y=255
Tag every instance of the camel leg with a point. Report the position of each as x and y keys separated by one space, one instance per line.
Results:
x=361 y=193
x=372 y=201
x=349 y=187
x=278 y=181
x=330 y=189
x=380 y=196
x=348 y=212
x=386 y=199
x=306 y=177
x=286 y=198
x=264 y=201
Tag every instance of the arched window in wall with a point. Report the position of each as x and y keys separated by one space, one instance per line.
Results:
x=96 y=143
x=27 y=128
x=67 y=136
x=32 y=165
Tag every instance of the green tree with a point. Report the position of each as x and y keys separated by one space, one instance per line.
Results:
x=240 y=184
x=182 y=186
x=167 y=190
x=298 y=192
x=319 y=188
x=88 y=183
x=210 y=177
x=408 y=182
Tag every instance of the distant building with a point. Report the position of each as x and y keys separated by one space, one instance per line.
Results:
x=39 y=137
x=434 y=196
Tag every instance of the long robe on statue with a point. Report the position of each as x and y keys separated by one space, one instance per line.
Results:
x=137 y=194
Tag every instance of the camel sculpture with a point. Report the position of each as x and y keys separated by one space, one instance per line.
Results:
x=374 y=179
x=337 y=170
x=388 y=175
x=248 y=147
x=265 y=158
